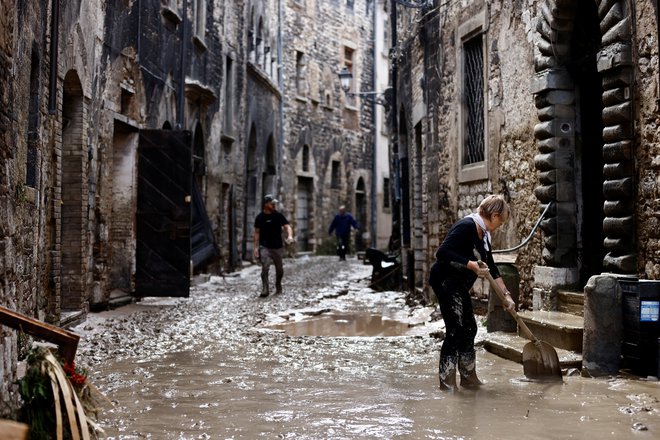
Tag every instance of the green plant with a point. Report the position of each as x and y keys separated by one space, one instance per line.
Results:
x=21 y=194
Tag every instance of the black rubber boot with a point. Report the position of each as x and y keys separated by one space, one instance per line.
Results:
x=467 y=367
x=278 y=285
x=447 y=373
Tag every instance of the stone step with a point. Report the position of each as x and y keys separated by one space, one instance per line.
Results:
x=510 y=346
x=561 y=330
x=570 y=302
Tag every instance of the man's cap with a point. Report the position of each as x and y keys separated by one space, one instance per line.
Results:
x=270 y=198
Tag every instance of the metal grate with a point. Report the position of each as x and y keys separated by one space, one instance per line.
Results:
x=473 y=74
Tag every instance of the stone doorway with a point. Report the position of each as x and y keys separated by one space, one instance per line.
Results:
x=588 y=166
x=582 y=91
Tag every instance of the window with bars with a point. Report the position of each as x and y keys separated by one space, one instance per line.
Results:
x=472 y=62
x=473 y=93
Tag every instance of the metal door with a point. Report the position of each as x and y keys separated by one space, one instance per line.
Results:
x=163 y=254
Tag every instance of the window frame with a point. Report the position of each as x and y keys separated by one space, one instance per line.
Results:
x=476 y=26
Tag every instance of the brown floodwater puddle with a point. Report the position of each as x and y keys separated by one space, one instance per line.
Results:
x=335 y=324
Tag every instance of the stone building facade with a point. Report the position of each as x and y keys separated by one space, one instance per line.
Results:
x=329 y=141
x=137 y=131
x=552 y=103
x=94 y=88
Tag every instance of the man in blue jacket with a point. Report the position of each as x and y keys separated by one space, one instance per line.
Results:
x=341 y=224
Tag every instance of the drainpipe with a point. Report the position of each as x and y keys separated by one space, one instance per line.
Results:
x=182 y=83
x=139 y=30
x=280 y=83
x=54 y=48
x=394 y=159
x=374 y=133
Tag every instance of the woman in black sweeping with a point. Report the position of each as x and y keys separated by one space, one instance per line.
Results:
x=452 y=275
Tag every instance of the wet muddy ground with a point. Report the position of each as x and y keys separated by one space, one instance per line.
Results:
x=225 y=364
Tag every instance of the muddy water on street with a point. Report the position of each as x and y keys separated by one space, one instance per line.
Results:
x=225 y=365
x=363 y=389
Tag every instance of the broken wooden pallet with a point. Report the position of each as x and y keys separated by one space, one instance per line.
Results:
x=66 y=341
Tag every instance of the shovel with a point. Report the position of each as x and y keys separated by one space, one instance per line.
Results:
x=540 y=360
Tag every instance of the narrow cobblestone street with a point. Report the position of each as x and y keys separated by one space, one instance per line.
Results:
x=222 y=364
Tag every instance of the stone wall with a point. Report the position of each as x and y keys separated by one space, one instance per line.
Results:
x=81 y=138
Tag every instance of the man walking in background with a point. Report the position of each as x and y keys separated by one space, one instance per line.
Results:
x=342 y=224
x=268 y=245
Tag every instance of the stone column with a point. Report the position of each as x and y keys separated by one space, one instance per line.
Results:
x=603 y=326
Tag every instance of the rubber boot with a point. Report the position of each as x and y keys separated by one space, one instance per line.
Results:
x=264 y=285
x=447 y=373
x=467 y=367
x=278 y=285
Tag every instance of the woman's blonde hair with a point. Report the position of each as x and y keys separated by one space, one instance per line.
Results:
x=494 y=204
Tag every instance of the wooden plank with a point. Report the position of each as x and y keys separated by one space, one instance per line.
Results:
x=66 y=341
x=10 y=430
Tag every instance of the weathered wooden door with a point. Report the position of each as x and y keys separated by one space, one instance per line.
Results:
x=163 y=254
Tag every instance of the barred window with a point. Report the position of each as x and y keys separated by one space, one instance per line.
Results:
x=473 y=93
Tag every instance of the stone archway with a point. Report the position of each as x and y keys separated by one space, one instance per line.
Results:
x=558 y=98
x=74 y=199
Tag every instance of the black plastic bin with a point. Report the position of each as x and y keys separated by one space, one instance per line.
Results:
x=641 y=305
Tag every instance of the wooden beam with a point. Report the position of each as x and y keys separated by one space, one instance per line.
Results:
x=10 y=430
x=66 y=341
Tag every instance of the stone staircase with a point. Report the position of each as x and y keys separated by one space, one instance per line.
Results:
x=562 y=329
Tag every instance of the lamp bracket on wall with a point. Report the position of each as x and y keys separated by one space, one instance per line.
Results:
x=383 y=98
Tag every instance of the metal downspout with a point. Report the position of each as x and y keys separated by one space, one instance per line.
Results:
x=139 y=31
x=280 y=83
x=394 y=150
x=374 y=131
x=182 y=81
